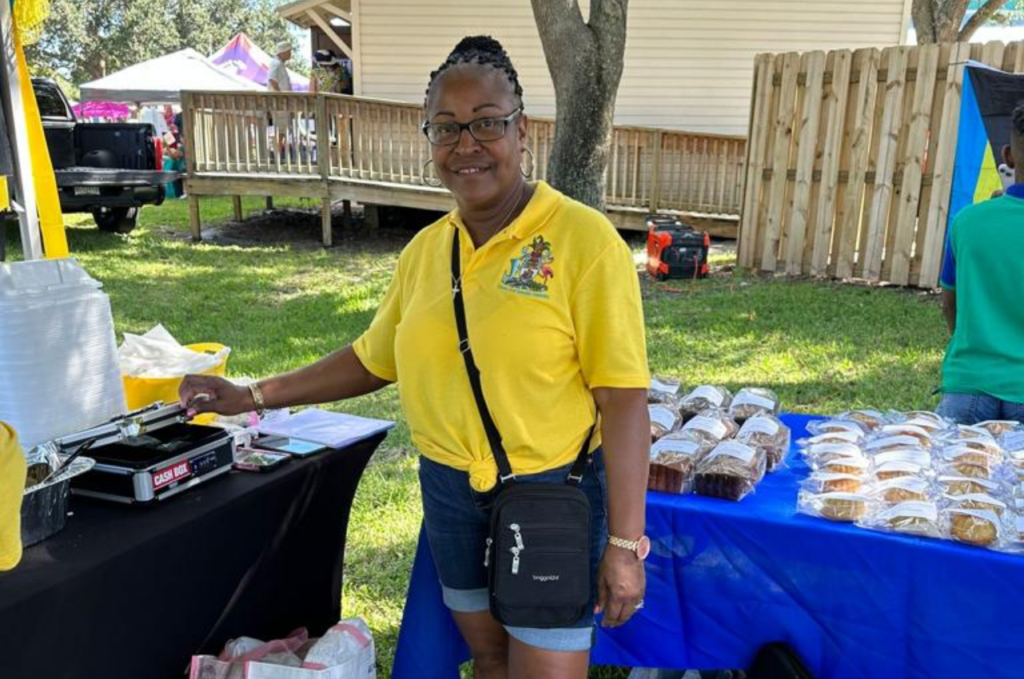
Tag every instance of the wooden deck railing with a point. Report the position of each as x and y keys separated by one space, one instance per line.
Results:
x=380 y=141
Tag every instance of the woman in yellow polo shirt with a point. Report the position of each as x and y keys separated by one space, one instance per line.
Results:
x=555 y=316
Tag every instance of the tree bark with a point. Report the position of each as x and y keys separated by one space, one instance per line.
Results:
x=939 y=20
x=585 y=61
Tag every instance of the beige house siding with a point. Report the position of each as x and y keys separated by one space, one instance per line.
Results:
x=688 y=63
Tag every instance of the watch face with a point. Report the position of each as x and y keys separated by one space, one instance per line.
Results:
x=643 y=547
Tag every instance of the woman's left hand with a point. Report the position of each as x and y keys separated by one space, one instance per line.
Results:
x=620 y=586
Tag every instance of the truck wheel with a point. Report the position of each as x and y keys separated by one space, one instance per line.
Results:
x=116 y=219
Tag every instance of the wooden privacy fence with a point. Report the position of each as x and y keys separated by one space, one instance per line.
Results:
x=850 y=159
x=338 y=137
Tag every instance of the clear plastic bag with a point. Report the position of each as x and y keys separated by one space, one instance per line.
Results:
x=702 y=398
x=902 y=489
x=921 y=434
x=820 y=453
x=664 y=420
x=973 y=526
x=843 y=507
x=885 y=443
x=713 y=424
x=827 y=482
x=664 y=391
x=674 y=461
x=751 y=401
x=870 y=419
x=854 y=437
x=767 y=433
x=913 y=517
x=818 y=427
x=999 y=428
x=730 y=471
x=844 y=465
x=954 y=485
x=968 y=460
x=896 y=464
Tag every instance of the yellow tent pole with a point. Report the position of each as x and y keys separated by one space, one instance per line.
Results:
x=51 y=221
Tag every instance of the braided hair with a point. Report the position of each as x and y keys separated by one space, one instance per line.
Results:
x=484 y=50
x=1018 y=119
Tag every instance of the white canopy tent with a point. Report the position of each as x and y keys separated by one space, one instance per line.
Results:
x=161 y=80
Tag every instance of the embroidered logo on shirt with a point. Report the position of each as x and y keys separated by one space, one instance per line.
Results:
x=529 y=273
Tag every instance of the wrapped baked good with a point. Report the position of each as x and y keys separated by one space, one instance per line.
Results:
x=919 y=416
x=730 y=471
x=966 y=485
x=914 y=517
x=971 y=461
x=702 y=398
x=833 y=437
x=871 y=419
x=845 y=465
x=901 y=489
x=899 y=463
x=665 y=391
x=714 y=424
x=884 y=444
x=846 y=507
x=820 y=453
x=999 y=428
x=1016 y=459
x=768 y=434
x=826 y=482
x=674 y=461
x=975 y=520
x=751 y=401
x=832 y=426
x=963 y=432
x=664 y=420
x=915 y=431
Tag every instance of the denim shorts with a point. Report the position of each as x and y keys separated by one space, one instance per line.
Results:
x=974 y=408
x=457 y=520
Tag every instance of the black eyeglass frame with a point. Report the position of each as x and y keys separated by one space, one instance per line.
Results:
x=467 y=127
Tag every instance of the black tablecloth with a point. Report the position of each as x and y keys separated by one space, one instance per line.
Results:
x=134 y=592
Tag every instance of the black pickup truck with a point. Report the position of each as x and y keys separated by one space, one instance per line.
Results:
x=108 y=169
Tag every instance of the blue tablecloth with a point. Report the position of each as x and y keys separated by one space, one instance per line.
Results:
x=724 y=578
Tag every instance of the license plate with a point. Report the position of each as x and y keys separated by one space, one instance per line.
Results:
x=87 y=190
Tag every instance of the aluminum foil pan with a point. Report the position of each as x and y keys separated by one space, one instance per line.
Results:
x=44 y=507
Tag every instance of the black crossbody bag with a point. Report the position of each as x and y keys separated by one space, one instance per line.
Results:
x=538 y=550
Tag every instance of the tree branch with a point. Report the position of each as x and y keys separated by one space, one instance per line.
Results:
x=984 y=13
x=924 y=20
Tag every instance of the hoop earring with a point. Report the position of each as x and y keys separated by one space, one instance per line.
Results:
x=428 y=174
x=533 y=162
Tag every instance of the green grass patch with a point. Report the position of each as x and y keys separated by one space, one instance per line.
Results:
x=279 y=304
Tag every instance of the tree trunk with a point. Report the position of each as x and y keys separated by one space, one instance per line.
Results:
x=585 y=61
x=939 y=20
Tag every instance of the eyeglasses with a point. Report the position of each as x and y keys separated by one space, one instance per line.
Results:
x=481 y=129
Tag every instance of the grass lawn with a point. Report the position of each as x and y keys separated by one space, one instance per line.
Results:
x=282 y=302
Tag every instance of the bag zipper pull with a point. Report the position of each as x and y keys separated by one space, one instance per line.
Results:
x=487 y=553
x=519 y=536
x=515 y=560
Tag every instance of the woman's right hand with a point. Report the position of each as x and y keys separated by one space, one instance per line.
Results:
x=209 y=394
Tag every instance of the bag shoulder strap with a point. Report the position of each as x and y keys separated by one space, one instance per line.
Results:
x=505 y=473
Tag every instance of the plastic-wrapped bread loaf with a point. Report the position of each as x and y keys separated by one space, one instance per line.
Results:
x=702 y=398
x=674 y=461
x=664 y=420
x=752 y=401
x=713 y=424
x=730 y=471
x=767 y=433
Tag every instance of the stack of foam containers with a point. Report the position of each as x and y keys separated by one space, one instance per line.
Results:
x=59 y=369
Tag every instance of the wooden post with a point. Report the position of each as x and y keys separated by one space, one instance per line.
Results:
x=346 y=214
x=270 y=202
x=236 y=203
x=656 y=171
x=325 y=221
x=193 y=217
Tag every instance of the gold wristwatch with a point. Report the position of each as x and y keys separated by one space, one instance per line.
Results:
x=641 y=547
